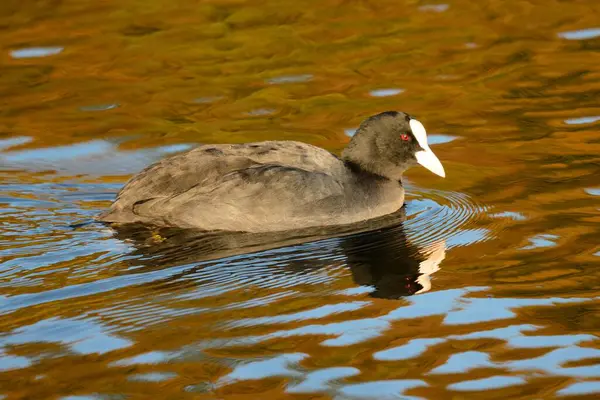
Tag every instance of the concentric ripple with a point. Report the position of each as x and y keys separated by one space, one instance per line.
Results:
x=438 y=214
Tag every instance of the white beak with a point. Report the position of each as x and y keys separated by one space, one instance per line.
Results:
x=425 y=157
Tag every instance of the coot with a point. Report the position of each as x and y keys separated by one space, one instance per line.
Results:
x=279 y=185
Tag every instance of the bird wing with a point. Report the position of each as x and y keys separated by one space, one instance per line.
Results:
x=248 y=198
x=229 y=178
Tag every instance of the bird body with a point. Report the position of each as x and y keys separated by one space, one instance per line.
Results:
x=274 y=185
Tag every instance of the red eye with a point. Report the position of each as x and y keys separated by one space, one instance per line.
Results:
x=404 y=137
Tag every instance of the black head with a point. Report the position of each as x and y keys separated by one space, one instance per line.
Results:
x=389 y=143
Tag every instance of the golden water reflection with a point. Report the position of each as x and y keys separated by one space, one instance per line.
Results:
x=93 y=92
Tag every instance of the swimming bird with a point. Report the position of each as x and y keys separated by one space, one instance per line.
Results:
x=279 y=185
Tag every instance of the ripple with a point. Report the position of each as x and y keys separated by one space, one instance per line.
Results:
x=459 y=363
x=81 y=336
x=553 y=361
x=476 y=310
x=413 y=348
x=152 y=357
x=35 y=52
x=348 y=332
x=500 y=333
x=386 y=92
x=381 y=390
x=290 y=79
x=593 y=191
x=582 y=120
x=541 y=241
x=535 y=342
x=100 y=107
x=580 y=388
x=361 y=290
x=316 y=313
x=8 y=362
x=95 y=157
x=58 y=153
x=581 y=34
x=466 y=237
x=434 y=7
x=515 y=216
x=174 y=148
x=260 y=112
x=453 y=304
x=152 y=377
x=282 y=365
x=208 y=99
x=440 y=214
x=15 y=141
x=321 y=380
x=495 y=382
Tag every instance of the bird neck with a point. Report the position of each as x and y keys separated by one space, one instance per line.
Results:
x=370 y=172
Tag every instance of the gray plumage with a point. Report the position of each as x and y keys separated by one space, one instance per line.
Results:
x=271 y=186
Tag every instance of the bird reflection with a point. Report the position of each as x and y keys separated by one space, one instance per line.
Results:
x=387 y=261
x=377 y=252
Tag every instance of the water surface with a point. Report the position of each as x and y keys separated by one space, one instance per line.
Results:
x=485 y=286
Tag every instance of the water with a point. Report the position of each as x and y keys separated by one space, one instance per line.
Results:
x=485 y=286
